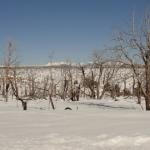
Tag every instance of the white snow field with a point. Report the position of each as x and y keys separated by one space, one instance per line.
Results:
x=90 y=125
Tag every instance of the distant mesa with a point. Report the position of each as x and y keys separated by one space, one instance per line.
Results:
x=63 y=63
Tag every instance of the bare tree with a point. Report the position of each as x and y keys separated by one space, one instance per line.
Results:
x=133 y=47
x=107 y=79
x=88 y=81
x=10 y=63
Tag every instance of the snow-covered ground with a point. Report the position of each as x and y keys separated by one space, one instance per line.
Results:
x=90 y=125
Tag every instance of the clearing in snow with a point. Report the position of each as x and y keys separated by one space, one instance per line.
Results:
x=90 y=125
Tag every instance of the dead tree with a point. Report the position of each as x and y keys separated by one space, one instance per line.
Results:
x=14 y=87
x=64 y=88
x=10 y=63
x=137 y=40
x=89 y=81
x=107 y=77
x=32 y=84
x=99 y=60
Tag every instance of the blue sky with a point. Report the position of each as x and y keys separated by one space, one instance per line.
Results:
x=72 y=29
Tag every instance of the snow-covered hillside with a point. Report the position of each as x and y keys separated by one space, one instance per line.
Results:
x=90 y=125
x=61 y=63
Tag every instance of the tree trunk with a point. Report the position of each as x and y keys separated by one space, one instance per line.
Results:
x=51 y=102
x=139 y=93
x=24 y=105
x=139 y=99
x=97 y=93
x=92 y=93
x=147 y=73
x=102 y=94
x=147 y=103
